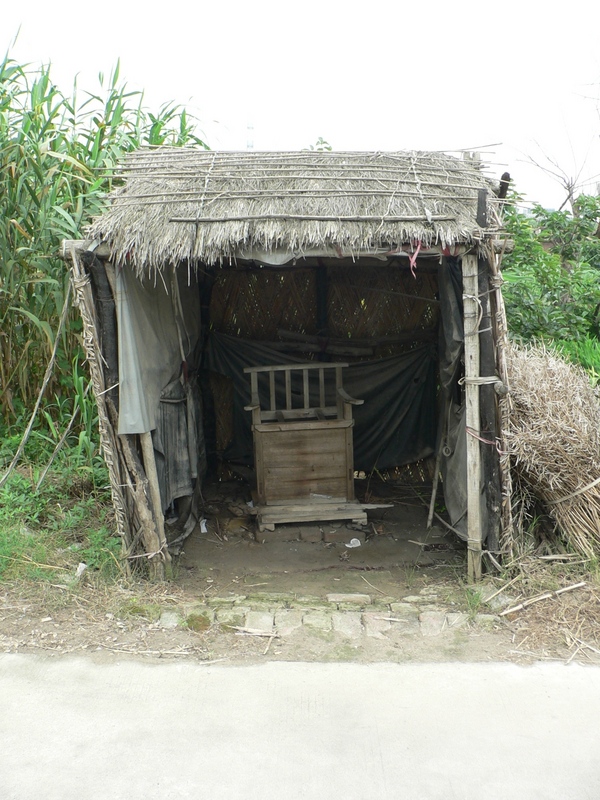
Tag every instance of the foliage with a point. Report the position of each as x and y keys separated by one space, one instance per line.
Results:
x=46 y=533
x=321 y=146
x=57 y=160
x=552 y=286
x=585 y=352
x=573 y=237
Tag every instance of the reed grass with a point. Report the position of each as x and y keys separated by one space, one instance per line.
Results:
x=57 y=157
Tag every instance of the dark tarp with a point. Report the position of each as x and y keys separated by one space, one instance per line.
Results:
x=396 y=424
x=178 y=440
x=452 y=431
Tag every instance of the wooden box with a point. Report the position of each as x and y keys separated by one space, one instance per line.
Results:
x=302 y=429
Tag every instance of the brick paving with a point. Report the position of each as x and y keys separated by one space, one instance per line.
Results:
x=351 y=616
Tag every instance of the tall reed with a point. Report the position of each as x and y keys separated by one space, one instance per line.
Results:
x=57 y=156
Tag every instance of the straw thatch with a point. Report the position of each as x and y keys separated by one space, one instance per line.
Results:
x=184 y=204
x=555 y=442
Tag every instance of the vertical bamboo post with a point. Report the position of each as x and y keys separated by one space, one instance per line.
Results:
x=152 y=475
x=501 y=338
x=471 y=328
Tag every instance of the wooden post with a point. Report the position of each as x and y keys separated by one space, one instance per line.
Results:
x=488 y=404
x=472 y=315
x=152 y=475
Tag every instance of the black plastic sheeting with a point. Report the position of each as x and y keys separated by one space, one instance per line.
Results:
x=396 y=424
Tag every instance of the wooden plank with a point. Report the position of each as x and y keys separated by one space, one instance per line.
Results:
x=359 y=516
x=489 y=415
x=259 y=466
x=302 y=502
x=285 y=461
x=471 y=326
x=296 y=413
x=317 y=425
x=338 y=505
x=152 y=475
x=281 y=447
x=288 y=491
x=307 y=513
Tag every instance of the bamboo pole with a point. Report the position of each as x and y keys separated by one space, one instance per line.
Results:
x=504 y=402
x=472 y=317
x=152 y=475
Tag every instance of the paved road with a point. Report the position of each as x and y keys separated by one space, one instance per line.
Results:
x=77 y=729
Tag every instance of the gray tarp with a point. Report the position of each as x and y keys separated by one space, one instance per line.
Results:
x=395 y=426
x=153 y=329
x=158 y=331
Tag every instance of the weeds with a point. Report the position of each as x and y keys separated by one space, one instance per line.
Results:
x=45 y=534
x=474 y=601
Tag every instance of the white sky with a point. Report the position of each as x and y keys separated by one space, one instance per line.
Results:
x=367 y=76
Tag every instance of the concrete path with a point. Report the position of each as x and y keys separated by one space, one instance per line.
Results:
x=78 y=729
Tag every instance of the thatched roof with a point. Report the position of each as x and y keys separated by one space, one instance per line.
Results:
x=188 y=204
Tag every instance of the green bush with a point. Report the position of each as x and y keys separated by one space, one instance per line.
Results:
x=546 y=296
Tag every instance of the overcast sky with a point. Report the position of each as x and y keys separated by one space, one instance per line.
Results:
x=369 y=76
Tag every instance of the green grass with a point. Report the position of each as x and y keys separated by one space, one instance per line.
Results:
x=45 y=534
x=585 y=352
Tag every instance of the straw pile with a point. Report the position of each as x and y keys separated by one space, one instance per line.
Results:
x=555 y=442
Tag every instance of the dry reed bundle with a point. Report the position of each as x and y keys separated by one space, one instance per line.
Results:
x=554 y=440
x=186 y=204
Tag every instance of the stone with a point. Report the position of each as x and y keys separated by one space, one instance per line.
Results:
x=375 y=626
x=403 y=610
x=308 y=601
x=259 y=621
x=232 y=617
x=288 y=620
x=347 y=623
x=457 y=620
x=238 y=511
x=168 y=619
x=311 y=533
x=432 y=622
x=270 y=598
x=229 y=600
x=354 y=599
x=487 y=620
x=413 y=599
x=320 y=620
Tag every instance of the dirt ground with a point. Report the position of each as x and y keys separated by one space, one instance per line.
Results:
x=411 y=575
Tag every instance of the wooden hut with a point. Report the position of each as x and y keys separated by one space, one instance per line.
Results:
x=207 y=264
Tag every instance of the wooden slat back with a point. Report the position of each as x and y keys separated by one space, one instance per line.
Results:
x=268 y=407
